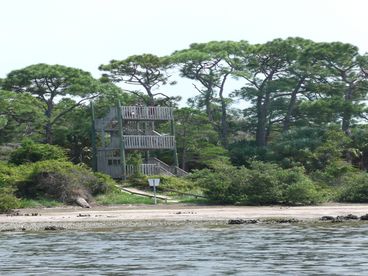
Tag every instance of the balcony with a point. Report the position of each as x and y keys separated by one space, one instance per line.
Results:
x=146 y=113
x=148 y=142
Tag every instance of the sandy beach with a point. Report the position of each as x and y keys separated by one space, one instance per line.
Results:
x=121 y=216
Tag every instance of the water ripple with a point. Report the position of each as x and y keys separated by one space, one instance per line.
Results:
x=198 y=250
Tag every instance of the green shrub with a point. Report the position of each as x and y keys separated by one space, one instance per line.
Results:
x=354 y=188
x=180 y=184
x=8 y=200
x=138 y=181
x=45 y=182
x=6 y=150
x=215 y=184
x=30 y=151
x=334 y=173
x=135 y=159
x=243 y=152
x=104 y=184
x=11 y=175
x=303 y=192
x=7 y=173
x=314 y=148
x=63 y=181
x=262 y=183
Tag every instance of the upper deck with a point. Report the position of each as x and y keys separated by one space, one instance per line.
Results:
x=147 y=113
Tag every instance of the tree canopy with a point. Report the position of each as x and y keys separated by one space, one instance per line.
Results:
x=295 y=103
x=51 y=85
x=147 y=71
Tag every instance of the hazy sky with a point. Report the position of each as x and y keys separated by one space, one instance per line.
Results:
x=87 y=33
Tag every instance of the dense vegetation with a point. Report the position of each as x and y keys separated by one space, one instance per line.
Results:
x=40 y=175
x=300 y=139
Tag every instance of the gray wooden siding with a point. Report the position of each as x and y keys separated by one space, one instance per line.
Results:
x=108 y=163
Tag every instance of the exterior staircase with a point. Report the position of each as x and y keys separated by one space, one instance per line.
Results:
x=155 y=166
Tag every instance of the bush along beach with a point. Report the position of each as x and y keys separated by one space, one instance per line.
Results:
x=51 y=180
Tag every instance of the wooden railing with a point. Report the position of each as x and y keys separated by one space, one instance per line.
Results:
x=154 y=160
x=109 y=163
x=173 y=170
x=146 y=113
x=146 y=169
x=179 y=172
x=148 y=142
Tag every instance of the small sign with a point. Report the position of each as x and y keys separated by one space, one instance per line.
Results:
x=154 y=182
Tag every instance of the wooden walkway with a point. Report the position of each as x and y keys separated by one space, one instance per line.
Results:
x=135 y=191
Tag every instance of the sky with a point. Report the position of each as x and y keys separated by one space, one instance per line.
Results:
x=87 y=33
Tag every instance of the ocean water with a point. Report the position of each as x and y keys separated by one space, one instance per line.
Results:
x=260 y=249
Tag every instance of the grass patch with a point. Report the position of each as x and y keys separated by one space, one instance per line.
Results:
x=121 y=198
x=37 y=203
x=193 y=200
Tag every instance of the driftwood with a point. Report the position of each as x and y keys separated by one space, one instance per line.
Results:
x=82 y=202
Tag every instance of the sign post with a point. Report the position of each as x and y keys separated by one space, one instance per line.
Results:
x=153 y=182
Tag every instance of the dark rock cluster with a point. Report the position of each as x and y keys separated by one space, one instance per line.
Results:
x=242 y=221
x=343 y=218
x=349 y=217
x=364 y=217
x=54 y=228
x=17 y=214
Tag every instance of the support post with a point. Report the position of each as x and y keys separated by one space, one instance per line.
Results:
x=146 y=153
x=154 y=192
x=175 y=153
x=93 y=139
x=121 y=141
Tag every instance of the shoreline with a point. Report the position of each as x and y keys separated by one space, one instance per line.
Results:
x=102 y=217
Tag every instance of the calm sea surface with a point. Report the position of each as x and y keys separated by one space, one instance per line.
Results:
x=327 y=249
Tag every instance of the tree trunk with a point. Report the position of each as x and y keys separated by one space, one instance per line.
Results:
x=151 y=99
x=346 y=119
x=262 y=112
x=208 y=107
x=224 y=125
x=263 y=103
x=346 y=116
x=48 y=133
x=291 y=106
x=48 y=126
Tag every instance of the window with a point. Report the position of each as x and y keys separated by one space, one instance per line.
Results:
x=113 y=162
